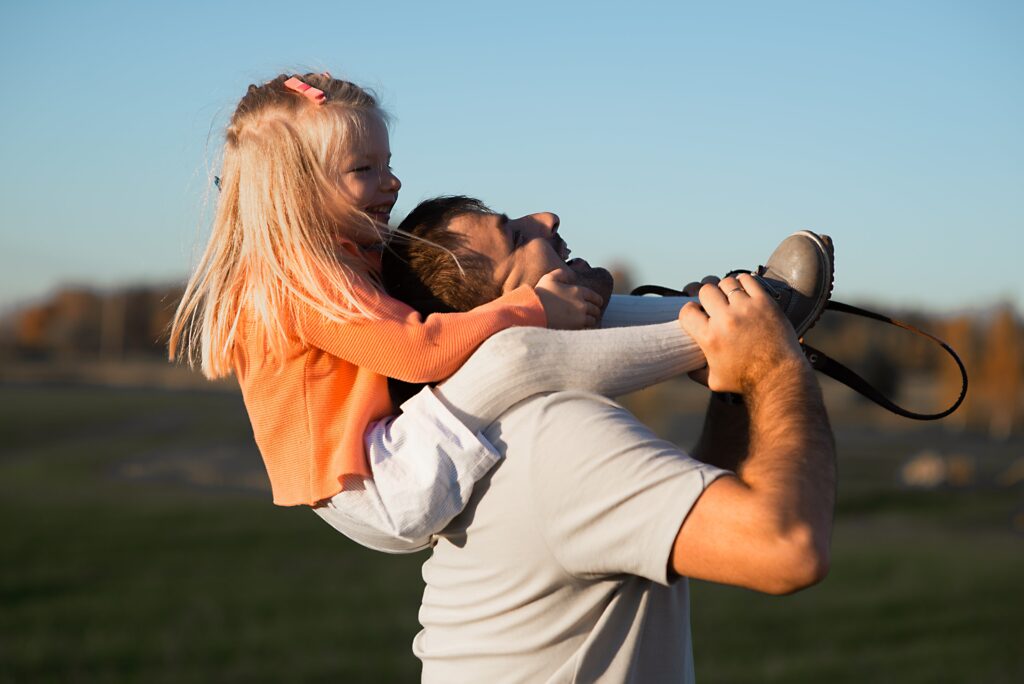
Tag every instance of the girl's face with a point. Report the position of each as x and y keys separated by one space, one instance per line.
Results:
x=366 y=176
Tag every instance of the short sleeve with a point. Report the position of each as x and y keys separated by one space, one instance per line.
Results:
x=609 y=495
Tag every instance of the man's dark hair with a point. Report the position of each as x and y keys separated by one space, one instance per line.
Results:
x=430 y=268
x=418 y=268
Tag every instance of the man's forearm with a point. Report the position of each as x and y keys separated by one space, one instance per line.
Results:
x=768 y=528
x=791 y=459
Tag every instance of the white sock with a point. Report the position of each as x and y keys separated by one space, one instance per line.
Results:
x=626 y=310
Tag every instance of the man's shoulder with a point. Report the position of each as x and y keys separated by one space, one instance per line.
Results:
x=605 y=493
x=574 y=426
x=565 y=402
x=568 y=414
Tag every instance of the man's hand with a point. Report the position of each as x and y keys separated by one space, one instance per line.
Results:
x=742 y=333
x=700 y=375
x=568 y=306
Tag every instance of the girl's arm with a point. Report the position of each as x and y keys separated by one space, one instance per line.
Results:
x=404 y=345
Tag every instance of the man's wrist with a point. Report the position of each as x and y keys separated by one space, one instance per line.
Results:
x=791 y=373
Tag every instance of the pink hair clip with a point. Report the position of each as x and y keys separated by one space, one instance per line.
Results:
x=306 y=90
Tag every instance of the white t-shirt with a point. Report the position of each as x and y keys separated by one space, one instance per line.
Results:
x=557 y=570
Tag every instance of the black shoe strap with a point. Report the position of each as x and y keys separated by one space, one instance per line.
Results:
x=659 y=290
x=824 y=364
x=837 y=371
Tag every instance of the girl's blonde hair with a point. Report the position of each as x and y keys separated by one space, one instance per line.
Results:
x=279 y=239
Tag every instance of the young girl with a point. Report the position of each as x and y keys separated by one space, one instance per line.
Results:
x=287 y=297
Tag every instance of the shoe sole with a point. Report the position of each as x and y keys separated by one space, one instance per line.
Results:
x=826 y=251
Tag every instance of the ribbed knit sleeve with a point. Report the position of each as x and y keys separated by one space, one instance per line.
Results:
x=404 y=345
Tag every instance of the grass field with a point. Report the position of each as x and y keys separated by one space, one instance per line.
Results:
x=139 y=544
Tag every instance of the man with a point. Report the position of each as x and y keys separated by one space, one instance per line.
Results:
x=569 y=562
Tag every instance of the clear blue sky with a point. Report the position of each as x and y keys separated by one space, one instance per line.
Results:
x=681 y=138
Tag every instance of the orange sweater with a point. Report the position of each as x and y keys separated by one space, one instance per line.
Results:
x=309 y=415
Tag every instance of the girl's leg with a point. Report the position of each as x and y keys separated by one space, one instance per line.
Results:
x=624 y=310
x=520 y=362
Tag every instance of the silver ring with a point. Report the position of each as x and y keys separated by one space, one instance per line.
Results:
x=735 y=289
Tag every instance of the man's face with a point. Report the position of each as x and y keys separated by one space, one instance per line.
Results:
x=524 y=249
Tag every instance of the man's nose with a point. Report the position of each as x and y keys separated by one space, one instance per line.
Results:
x=548 y=219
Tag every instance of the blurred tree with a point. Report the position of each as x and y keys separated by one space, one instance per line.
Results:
x=133 y=322
x=624 y=281
x=81 y=323
x=958 y=333
x=74 y=328
x=1000 y=373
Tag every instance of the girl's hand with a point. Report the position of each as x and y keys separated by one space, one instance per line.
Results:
x=568 y=306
